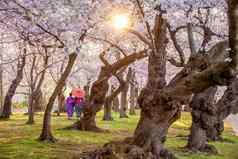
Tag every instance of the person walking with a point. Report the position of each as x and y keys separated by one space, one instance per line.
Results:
x=70 y=102
x=78 y=106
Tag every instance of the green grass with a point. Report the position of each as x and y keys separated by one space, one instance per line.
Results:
x=19 y=141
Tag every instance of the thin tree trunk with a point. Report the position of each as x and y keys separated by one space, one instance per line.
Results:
x=1 y=84
x=115 y=101
x=133 y=94
x=12 y=89
x=109 y=99
x=108 y=107
x=61 y=103
x=36 y=93
x=137 y=92
x=124 y=100
x=107 y=110
x=116 y=104
x=39 y=104
x=46 y=133
x=123 y=104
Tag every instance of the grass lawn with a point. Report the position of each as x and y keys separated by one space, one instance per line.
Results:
x=18 y=140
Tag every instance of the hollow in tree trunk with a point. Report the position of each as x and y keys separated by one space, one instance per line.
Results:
x=46 y=133
x=12 y=89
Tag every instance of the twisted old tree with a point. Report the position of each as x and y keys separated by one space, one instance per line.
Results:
x=100 y=88
x=160 y=103
x=207 y=116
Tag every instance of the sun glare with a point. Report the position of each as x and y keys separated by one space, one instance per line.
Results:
x=120 y=21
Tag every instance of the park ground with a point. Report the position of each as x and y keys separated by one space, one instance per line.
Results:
x=19 y=141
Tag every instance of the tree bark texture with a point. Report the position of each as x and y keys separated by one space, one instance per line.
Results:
x=156 y=115
x=233 y=31
x=203 y=116
x=61 y=103
x=1 y=84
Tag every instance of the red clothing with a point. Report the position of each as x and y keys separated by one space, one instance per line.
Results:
x=78 y=101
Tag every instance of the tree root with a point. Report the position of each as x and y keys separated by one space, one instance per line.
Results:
x=210 y=149
x=2 y=118
x=47 y=137
x=125 y=150
x=124 y=116
x=30 y=122
x=108 y=118
x=79 y=126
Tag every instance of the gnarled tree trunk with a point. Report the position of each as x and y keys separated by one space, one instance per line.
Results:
x=12 y=89
x=203 y=116
x=208 y=122
x=46 y=133
x=156 y=114
x=224 y=107
x=161 y=104
x=99 y=90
